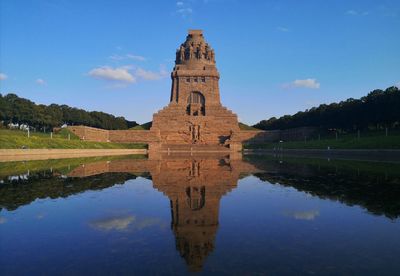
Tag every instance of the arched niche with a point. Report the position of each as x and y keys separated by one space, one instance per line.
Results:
x=196 y=104
x=196 y=197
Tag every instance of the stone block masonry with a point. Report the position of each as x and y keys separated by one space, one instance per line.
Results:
x=90 y=133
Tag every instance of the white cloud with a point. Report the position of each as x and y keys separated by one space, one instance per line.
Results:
x=3 y=76
x=354 y=12
x=304 y=215
x=116 y=57
x=185 y=11
x=127 y=74
x=127 y=56
x=40 y=82
x=114 y=74
x=398 y=84
x=351 y=12
x=136 y=57
x=282 y=29
x=306 y=83
x=151 y=75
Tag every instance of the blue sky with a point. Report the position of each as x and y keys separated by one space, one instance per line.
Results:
x=274 y=57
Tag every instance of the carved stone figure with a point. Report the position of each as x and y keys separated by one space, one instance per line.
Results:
x=198 y=53
x=195 y=133
x=201 y=50
x=182 y=53
x=190 y=52
x=207 y=52
x=212 y=57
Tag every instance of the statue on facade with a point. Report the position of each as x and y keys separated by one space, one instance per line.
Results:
x=195 y=133
x=191 y=52
x=207 y=53
x=198 y=53
x=201 y=50
x=212 y=56
x=182 y=53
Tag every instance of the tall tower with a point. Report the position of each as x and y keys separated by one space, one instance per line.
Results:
x=195 y=115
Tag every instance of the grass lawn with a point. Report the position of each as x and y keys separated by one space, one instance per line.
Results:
x=372 y=140
x=16 y=139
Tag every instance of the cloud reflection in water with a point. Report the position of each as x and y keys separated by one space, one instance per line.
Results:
x=303 y=215
x=125 y=222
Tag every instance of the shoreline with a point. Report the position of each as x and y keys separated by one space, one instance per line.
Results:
x=7 y=155
x=349 y=154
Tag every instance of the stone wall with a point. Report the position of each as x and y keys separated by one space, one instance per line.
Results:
x=175 y=127
x=212 y=133
x=133 y=136
x=118 y=136
x=90 y=133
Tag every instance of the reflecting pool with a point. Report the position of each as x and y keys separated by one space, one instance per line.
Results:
x=253 y=214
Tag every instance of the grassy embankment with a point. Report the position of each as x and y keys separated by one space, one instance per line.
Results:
x=243 y=126
x=367 y=140
x=16 y=139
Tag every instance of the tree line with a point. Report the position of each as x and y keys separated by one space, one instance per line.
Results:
x=379 y=109
x=14 y=109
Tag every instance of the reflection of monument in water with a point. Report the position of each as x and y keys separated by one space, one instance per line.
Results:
x=195 y=187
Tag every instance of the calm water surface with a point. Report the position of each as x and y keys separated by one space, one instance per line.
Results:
x=210 y=215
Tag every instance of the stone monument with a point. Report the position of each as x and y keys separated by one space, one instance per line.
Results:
x=195 y=115
x=194 y=119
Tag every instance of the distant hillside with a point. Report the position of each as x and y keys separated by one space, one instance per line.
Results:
x=145 y=126
x=379 y=109
x=243 y=126
x=19 y=110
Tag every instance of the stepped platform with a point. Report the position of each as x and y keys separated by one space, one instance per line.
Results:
x=193 y=148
